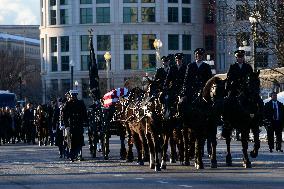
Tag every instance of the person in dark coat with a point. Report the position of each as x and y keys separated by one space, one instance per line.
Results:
x=274 y=110
x=162 y=72
x=75 y=117
x=28 y=124
x=237 y=74
x=196 y=76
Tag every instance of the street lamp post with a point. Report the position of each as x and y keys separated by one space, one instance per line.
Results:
x=157 y=45
x=254 y=20
x=20 y=81
x=71 y=71
x=107 y=57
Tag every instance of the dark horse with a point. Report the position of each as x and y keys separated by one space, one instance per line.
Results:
x=244 y=112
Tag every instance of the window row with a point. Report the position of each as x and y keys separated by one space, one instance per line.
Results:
x=130 y=15
x=130 y=42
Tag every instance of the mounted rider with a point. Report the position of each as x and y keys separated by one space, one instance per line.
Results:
x=237 y=74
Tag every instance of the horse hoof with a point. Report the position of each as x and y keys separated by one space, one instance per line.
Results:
x=140 y=163
x=164 y=167
x=247 y=165
x=254 y=153
x=172 y=160
x=229 y=164
x=105 y=157
x=152 y=166
x=157 y=168
x=199 y=166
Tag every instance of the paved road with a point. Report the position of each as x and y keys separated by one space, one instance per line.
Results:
x=31 y=166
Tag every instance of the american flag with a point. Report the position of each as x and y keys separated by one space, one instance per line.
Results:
x=113 y=96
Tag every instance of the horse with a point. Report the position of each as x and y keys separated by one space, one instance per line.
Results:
x=214 y=93
x=152 y=122
x=244 y=112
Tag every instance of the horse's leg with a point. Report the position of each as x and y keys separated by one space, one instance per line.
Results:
x=226 y=133
x=164 y=150
x=186 y=153
x=151 y=150
x=157 y=143
x=130 y=156
x=173 y=142
x=244 y=139
x=255 y=131
x=212 y=138
x=138 y=144
x=122 y=144
x=199 y=146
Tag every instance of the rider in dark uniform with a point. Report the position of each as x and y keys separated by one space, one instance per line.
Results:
x=75 y=117
x=196 y=76
x=162 y=72
x=237 y=73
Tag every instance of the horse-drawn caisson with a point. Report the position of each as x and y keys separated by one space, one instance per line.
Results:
x=183 y=104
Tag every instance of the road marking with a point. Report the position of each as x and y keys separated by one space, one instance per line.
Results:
x=67 y=168
x=82 y=170
x=186 y=186
x=139 y=178
x=162 y=182
x=117 y=175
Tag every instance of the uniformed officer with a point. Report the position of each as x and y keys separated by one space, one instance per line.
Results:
x=196 y=76
x=237 y=74
x=75 y=117
x=162 y=72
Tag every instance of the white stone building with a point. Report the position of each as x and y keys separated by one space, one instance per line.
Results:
x=125 y=28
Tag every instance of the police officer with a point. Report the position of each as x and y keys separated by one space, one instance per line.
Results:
x=237 y=74
x=162 y=72
x=75 y=116
x=196 y=76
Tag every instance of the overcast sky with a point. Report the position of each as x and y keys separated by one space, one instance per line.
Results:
x=20 y=12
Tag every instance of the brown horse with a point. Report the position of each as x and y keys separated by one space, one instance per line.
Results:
x=42 y=125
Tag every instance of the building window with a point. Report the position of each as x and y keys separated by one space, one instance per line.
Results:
x=148 y=61
x=85 y=62
x=147 y=41
x=173 y=1
x=103 y=42
x=84 y=43
x=63 y=16
x=54 y=85
x=130 y=42
x=65 y=85
x=186 y=42
x=63 y=2
x=102 y=1
x=173 y=42
x=261 y=60
x=186 y=18
x=64 y=43
x=262 y=40
x=148 y=1
x=173 y=14
x=52 y=17
x=52 y=2
x=42 y=44
x=103 y=15
x=86 y=15
x=130 y=61
x=64 y=63
x=85 y=1
x=53 y=44
x=186 y=1
x=148 y=14
x=209 y=43
x=242 y=12
x=129 y=1
x=54 y=66
x=102 y=63
x=130 y=15
x=186 y=58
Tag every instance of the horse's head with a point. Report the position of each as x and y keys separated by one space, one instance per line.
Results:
x=215 y=88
